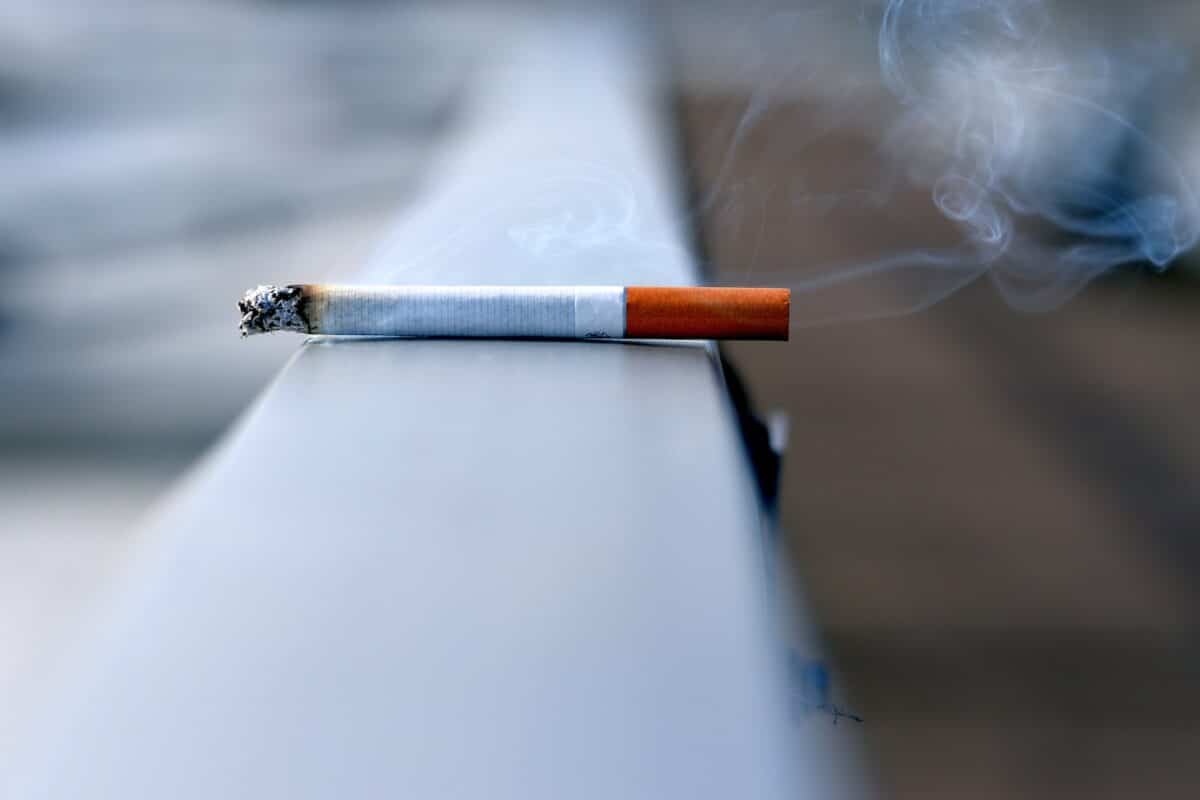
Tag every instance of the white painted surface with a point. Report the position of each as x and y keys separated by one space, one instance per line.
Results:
x=465 y=568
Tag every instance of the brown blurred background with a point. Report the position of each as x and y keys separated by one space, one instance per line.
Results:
x=994 y=515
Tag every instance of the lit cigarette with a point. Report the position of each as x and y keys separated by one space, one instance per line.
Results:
x=551 y=312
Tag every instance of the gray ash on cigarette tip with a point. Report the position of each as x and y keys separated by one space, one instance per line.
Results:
x=273 y=308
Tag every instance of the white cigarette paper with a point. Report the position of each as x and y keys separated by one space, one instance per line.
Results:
x=566 y=312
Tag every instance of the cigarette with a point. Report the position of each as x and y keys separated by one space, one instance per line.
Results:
x=550 y=312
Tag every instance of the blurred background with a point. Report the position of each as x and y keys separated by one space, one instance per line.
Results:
x=993 y=513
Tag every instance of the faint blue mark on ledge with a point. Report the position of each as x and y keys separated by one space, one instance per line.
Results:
x=812 y=692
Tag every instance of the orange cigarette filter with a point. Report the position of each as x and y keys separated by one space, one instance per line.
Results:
x=702 y=312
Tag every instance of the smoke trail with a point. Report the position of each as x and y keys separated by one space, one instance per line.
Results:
x=1016 y=123
x=1017 y=128
x=1010 y=123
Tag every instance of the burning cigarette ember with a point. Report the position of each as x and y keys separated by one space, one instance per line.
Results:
x=551 y=312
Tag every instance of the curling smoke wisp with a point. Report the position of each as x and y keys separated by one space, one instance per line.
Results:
x=1018 y=130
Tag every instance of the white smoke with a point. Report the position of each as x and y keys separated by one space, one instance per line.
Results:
x=1025 y=127
x=1020 y=121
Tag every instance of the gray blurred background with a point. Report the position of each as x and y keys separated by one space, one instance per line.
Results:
x=994 y=514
